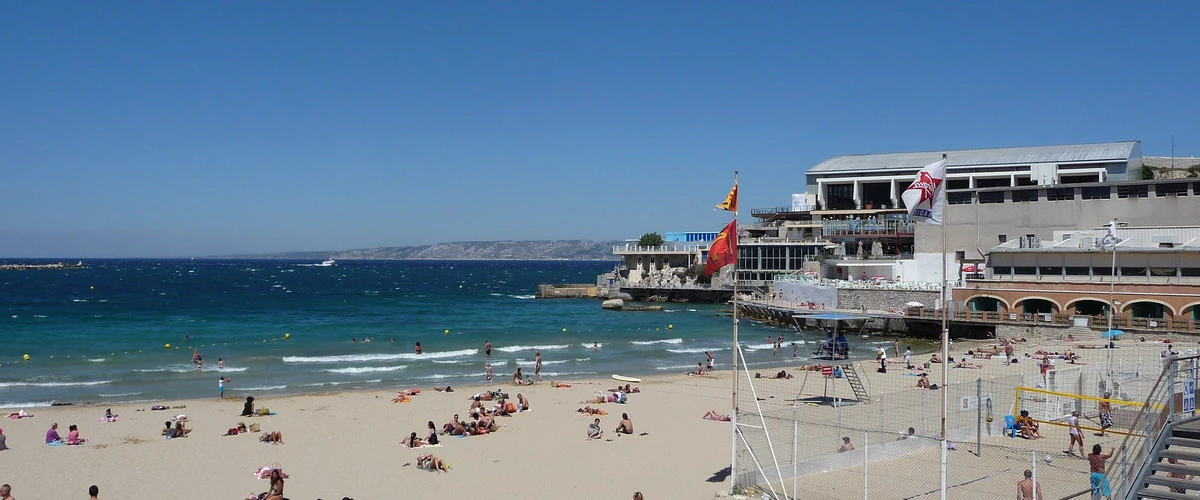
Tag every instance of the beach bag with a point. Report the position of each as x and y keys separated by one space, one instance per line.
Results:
x=262 y=412
x=254 y=427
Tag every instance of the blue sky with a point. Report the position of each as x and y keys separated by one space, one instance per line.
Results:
x=201 y=128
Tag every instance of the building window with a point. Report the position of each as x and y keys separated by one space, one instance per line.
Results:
x=1024 y=195
x=1135 y=191
x=1172 y=189
x=960 y=255
x=1096 y=192
x=1191 y=272
x=1060 y=194
x=1078 y=271
x=991 y=197
x=1003 y=238
x=1133 y=271
x=1102 y=271
x=958 y=198
x=1162 y=271
x=1001 y=271
x=1051 y=271
x=1024 y=270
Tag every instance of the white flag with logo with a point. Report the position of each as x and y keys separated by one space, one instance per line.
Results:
x=1109 y=243
x=923 y=198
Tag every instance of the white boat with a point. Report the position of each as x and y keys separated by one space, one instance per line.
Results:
x=327 y=263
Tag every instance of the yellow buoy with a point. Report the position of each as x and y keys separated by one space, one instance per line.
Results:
x=670 y=327
x=287 y=336
x=564 y=329
x=93 y=287
x=168 y=346
x=26 y=357
x=460 y=286
x=447 y=332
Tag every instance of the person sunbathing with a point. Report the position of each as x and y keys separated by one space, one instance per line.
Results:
x=109 y=417
x=967 y=364
x=923 y=381
x=73 y=435
x=501 y=408
x=588 y=410
x=717 y=417
x=412 y=441
x=594 y=431
x=782 y=374
x=449 y=426
x=522 y=403
x=935 y=359
x=430 y=462
x=443 y=389
x=401 y=399
x=180 y=430
x=626 y=425
x=274 y=437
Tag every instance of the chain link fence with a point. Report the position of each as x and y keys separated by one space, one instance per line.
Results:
x=811 y=437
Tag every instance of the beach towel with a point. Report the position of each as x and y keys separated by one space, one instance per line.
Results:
x=102 y=419
x=55 y=443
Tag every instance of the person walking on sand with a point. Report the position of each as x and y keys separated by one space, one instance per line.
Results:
x=1026 y=488
x=221 y=387
x=487 y=348
x=1099 y=483
x=537 y=367
x=1075 y=434
x=1106 y=420
x=710 y=360
x=882 y=357
x=94 y=492
x=488 y=367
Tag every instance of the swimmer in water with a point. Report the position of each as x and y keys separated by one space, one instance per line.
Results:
x=418 y=349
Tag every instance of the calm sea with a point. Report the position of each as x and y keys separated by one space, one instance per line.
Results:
x=99 y=333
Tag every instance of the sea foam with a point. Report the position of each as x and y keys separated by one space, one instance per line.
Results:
x=53 y=384
x=367 y=369
x=515 y=348
x=652 y=342
x=379 y=357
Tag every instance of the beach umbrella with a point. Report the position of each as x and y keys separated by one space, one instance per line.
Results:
x=877 y=249
x=914 y=304
x=1112 y=334
x=859 y=252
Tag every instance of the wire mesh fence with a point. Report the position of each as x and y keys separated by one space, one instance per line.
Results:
x=809 y=434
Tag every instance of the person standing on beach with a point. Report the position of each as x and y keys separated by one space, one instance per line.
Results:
x=1025 y=488
x=896 y=343
x=908 y=357
x=882 y=357
x=487 y=349
x=1099 y=483
x=537 y=367
x=1075 y=434
x=220 y=387
x=488 y=367
x=710 y=360
x=1106 y=420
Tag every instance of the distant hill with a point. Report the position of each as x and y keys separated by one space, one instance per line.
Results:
x=463 y=250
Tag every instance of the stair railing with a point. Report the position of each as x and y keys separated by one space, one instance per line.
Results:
x=1158 y=411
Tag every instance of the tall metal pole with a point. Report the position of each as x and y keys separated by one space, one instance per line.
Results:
x=1113 y=277
x=734 y=415
x=945 y=326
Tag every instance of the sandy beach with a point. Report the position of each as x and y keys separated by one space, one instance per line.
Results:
x=348 y=444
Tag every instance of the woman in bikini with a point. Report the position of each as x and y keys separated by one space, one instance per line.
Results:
x=412 y=441
x=276 y=490
x=430 y=462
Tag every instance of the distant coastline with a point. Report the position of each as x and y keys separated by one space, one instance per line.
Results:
x=570 y=250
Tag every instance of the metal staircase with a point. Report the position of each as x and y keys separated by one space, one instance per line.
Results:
x=856 y=383
x=1181 y=442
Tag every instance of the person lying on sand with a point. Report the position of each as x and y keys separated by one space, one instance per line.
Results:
x=967 y=364
x=412 y=441
x=717 y=417
x=429 y=462
x=443 y=389
x=782 y=374
x=180 y=431
x=626 y=389
x=588 y=410
x=401 y=399
x=274 y=437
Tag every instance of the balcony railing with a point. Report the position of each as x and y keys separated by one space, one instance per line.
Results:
x=667 y=248
x=869 y=226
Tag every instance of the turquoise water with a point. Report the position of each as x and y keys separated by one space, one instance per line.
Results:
x=98 y=334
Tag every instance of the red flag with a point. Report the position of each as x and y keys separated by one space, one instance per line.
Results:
x=723 y=250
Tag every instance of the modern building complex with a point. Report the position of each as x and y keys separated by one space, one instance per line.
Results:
x=850 y=222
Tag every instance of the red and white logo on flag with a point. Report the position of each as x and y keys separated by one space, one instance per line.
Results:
x=923 y=198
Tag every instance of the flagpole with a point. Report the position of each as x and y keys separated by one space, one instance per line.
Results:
x=945 y=328
x=1111 y=303
x=734 y=415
